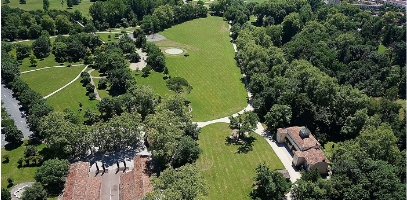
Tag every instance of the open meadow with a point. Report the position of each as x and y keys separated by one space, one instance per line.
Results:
x=48 y=80
x=210 y=68
x=228 y=173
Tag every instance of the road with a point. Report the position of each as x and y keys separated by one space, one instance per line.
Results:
x=12 y=107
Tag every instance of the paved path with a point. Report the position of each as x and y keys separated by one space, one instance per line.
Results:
x=12 y=107
x=93 y=83
x=18 y=186
x=76 y=78
x=58 y=66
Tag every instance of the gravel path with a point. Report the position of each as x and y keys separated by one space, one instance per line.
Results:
x=18 y=186
x=58 y=66
x=93 y=83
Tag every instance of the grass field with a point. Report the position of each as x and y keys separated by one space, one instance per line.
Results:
x=70 y=97
x=105 y=37
x=155 y=81
x=10 y=169
x=53 y=4
x=48 y=80
x=230 y=174
x=210 y=68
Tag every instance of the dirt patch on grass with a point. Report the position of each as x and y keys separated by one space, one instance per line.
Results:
x=170 y=43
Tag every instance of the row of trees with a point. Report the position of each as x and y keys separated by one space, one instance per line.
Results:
x=20 y=24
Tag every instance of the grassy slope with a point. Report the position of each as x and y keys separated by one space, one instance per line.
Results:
x=48 y=80
x=229 y=174
x=210 y=68
x=10 y=169
x=53 y=4
x=155 y=81
x=70 y=97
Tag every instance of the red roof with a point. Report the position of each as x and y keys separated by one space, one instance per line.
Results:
x=313 y=156
x=304 y=143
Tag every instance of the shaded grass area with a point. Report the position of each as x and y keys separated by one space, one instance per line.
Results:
x=70 y=97
x=381 y=48
x=102 y=93
x=10 y=169
x=402 y=111
x=155 y=81
x=48 y=80
x=53 y=4
x=229 y=173
x=210 y=69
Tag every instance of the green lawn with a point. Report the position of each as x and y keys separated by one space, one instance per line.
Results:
x=381 y=49
x=105 y=37
x=210 y=69
x=155 y=81
x=228 y=173
x=70 y=97
x=102 y=93
x=48 y=80
x=53 y=4
x=20 y=175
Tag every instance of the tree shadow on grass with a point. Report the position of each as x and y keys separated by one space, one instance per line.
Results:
x=12 y=146
x=245 y=144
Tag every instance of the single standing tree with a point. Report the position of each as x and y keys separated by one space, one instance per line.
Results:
x=269 y=185
x=52 y=174
x=13 y=135
x=69 y=3
x=35 y=192
x=33 y=60
x=244 y=123
x=45 y=5
x=41 y=47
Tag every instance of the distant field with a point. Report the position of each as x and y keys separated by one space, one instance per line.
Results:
x=210 y=68
x=70 y=97
x=48 y=80
x=53 y=4
x=20 y=175
x=230 y=174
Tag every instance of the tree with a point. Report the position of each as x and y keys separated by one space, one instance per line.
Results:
x=52 y=174
x=9 y=69
x=22 y=51
x=5 y=194
x=279 y=116
x=33 y=60
x=119 y=78
x=244 y=123
x=146 y=70
x=48 y=24
x=102 y=84
x=60 y=51
x=140 y=99
x=178 y=84
x=35 y=31
x=181 y=183
x=45 y=5
x=268 y=184
x=91 y=116
x=134 y=57
x=23 y=1
x=41 y=47
x=35 y=192
x=13 y=135
x=69 y=3
x=62 y=24
x=291 y=26
x=30 y=150
x=188 y=151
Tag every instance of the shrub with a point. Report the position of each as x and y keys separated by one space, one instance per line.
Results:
x=92 y=96
x=6 y=158
x=30 y=150
x=178 y=85
x=102 y=84
x=146 y=70
x=186 y=54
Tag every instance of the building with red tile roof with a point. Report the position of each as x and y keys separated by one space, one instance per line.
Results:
x=307 y=149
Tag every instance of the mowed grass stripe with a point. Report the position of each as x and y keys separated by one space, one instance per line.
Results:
x=228 y=173
x=48 y=80
x=210 y=68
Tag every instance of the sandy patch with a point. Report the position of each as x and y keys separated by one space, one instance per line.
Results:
x=173 y=51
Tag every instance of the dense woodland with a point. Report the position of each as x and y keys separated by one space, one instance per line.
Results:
x=306 y=63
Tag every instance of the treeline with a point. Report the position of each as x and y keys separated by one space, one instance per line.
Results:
x=20 y=24
x=153 y=16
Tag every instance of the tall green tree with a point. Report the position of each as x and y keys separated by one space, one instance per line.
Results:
x=52 y=175
x=35 y=192
x=41 y=47
x=45 y=5
x=269 y=184
x=244 y=123
x=13 y=135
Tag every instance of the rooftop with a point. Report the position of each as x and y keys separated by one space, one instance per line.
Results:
x=313 y=156
x=304 y=142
